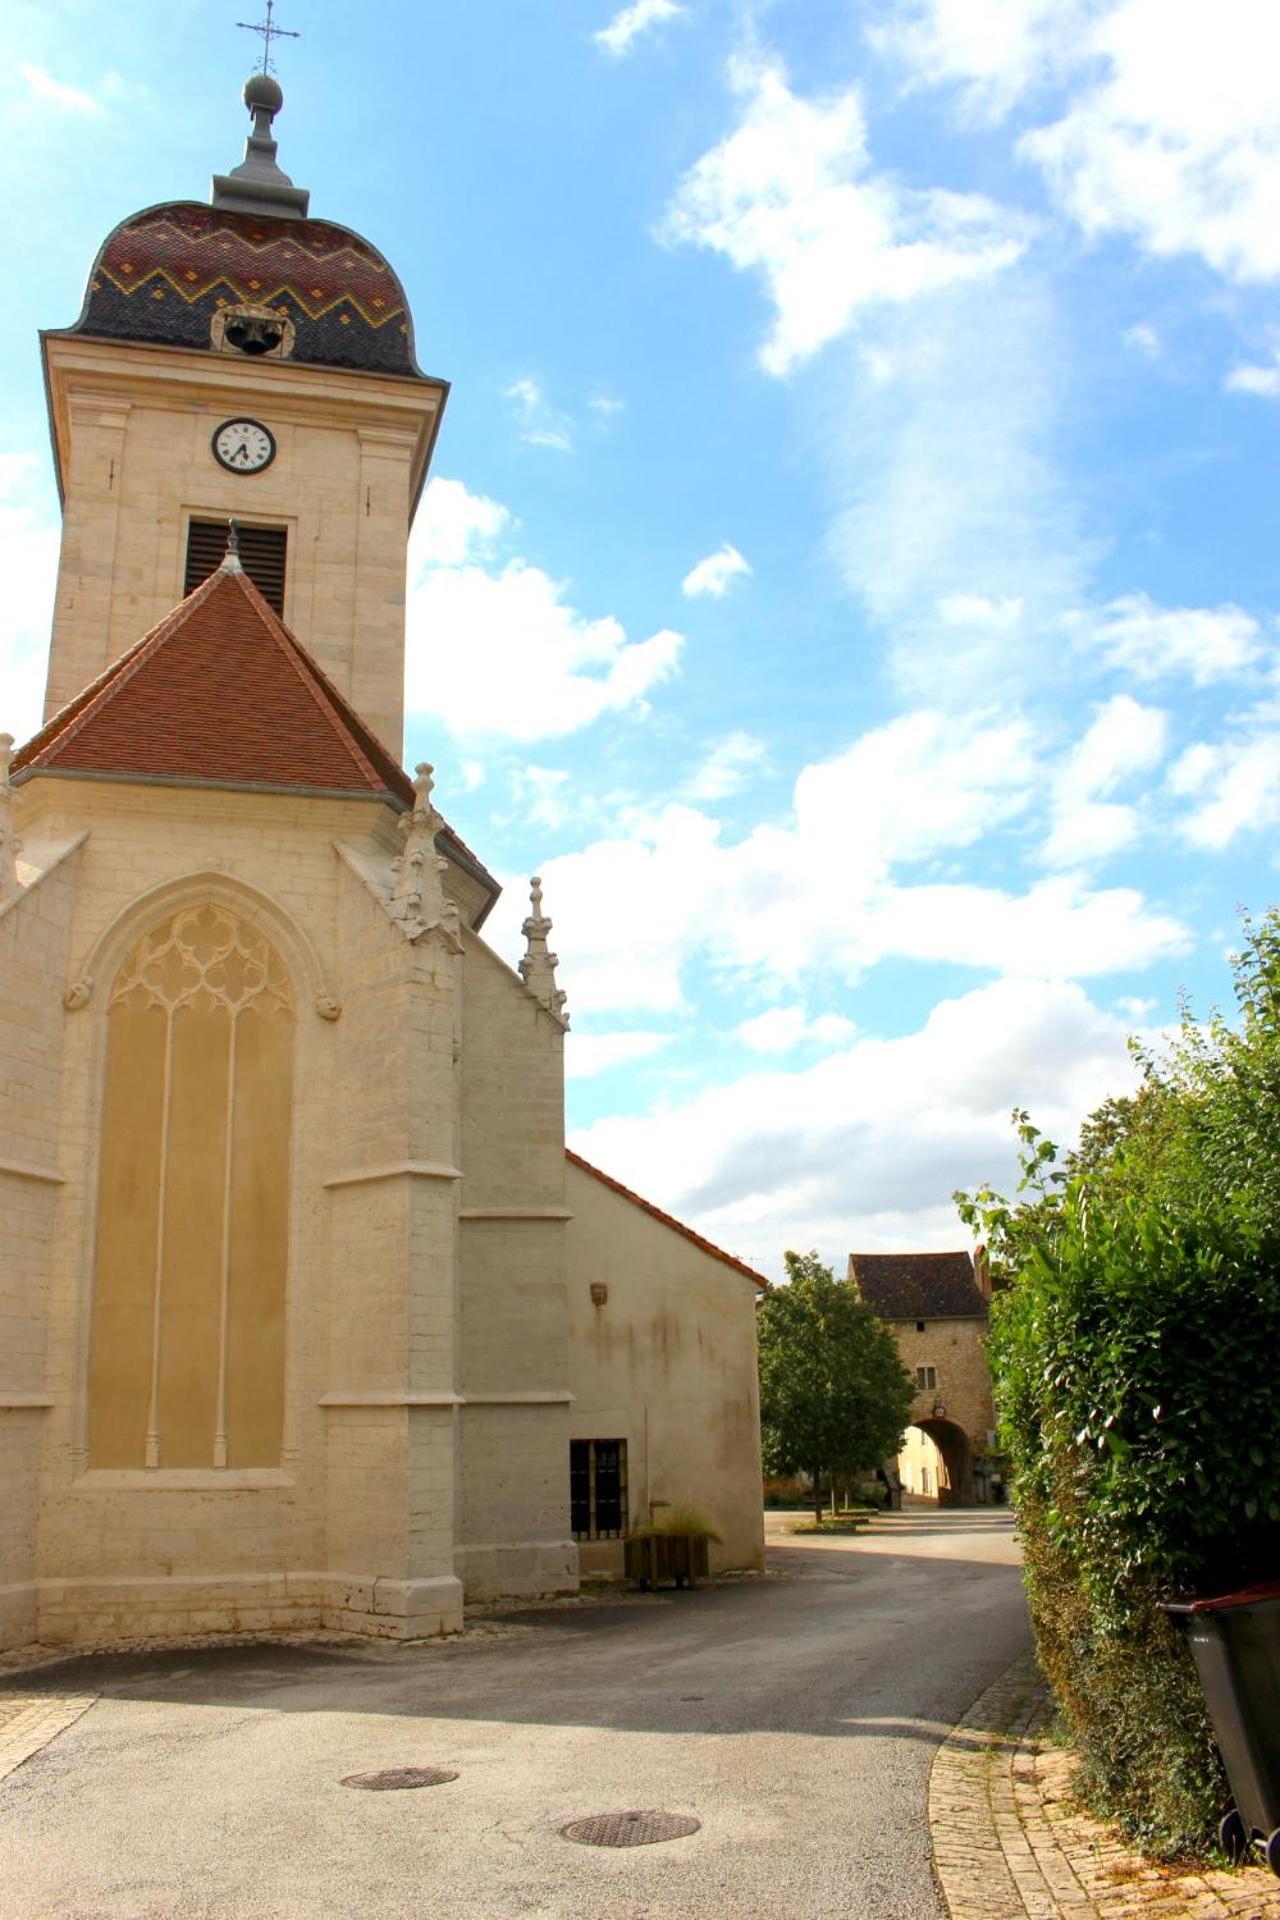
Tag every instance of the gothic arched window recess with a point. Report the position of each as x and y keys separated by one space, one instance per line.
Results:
x=186 y=1364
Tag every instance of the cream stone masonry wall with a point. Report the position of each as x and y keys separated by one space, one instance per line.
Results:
x=958 y=1349
x=133 y=425
x=35 y=928
x=137 y=1552
x=390 y=1406
x=668 y=1364
x=514 y=1358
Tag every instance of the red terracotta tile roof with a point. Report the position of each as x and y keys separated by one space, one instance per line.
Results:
x=219 y=692
x=918 y=1286
x=667 y=1219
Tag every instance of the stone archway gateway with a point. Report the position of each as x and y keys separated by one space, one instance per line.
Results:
x=953 y=1457
x=935 y=1305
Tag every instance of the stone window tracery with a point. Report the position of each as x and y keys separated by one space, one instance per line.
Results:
x=187 y=1338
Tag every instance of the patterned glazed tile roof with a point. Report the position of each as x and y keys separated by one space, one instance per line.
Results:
x=163 y=275
x=667 y=1219
x=918 y=1286
x=218 y=693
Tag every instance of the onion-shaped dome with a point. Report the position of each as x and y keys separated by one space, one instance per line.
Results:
x=251 y=273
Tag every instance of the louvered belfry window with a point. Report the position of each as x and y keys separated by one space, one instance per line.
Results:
x=262 y=555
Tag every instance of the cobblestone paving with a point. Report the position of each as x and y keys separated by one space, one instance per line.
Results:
x=1008 y=1842
x=29 y=1721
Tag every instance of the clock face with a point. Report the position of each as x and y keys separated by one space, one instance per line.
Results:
x=243 y=446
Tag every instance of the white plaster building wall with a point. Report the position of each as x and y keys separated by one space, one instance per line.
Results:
x=34 y=934
x=668 y=1363
x=514 y=1518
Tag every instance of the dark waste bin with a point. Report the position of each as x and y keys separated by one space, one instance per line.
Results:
x=1235 y=1639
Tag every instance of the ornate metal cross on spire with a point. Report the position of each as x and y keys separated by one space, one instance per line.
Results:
x=269 y=31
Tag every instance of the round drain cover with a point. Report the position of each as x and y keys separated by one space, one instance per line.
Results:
x=392 y=1778
x=630 y=1829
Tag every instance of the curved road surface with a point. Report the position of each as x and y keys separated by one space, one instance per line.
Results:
x=795 y=1715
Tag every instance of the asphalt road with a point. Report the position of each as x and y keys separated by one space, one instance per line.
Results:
x=795 y=1715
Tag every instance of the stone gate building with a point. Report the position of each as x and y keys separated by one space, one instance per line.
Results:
x=936 y=1306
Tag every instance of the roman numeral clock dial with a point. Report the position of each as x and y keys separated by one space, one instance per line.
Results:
x=243 y=446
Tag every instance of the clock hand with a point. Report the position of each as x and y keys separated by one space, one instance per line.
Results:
x=241 y=449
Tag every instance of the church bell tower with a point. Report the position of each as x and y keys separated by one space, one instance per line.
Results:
x=241 y=359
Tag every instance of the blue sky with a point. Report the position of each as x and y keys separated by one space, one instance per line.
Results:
x=850 y=575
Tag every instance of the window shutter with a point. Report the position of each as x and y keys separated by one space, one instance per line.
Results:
x=262 y=555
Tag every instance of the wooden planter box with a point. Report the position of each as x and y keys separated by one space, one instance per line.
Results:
x=680 y=1558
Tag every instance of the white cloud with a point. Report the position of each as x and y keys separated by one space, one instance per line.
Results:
x=952 y=520
x=542 y=795
x=997 y=50
x=54 y=93
x=29 y=567
x=606 y=404
x=540 y=425
x=628 y=24
x=821 y=894
x=1135 y=1007
x=727 y=768
x=587 y=1054
x=1124 y=740
x=495 y=649
x=1143 y=339
x=716 y=574
x=1175 y=137
x=1261 y=381
x=864 y=1147
x=1234 y=786
x=1152 y=642
x=782 y=1029
x=789 y=194
x=454 y=524
x=1171 y=130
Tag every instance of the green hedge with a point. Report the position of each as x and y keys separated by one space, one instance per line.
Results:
x=1134 y=1352
x=1138 y=1402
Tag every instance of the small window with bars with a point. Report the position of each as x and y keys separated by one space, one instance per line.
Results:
x=263 y=551
x=598 y=1489
x=926 y=1379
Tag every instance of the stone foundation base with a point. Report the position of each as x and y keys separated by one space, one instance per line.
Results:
x=518 y=1569
x=97 y=1612
x=17 y=1615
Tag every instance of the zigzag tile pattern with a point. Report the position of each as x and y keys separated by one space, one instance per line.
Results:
x=163 y=275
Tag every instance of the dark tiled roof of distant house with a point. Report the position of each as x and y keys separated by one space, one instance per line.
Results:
x=918 y=1286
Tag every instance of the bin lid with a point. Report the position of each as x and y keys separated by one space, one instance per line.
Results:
x=1220 y=1602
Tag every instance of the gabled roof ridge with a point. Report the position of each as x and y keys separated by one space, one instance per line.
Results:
x=926 y=1284
x=667 y=1219
x=71 y=718
x=330 y=702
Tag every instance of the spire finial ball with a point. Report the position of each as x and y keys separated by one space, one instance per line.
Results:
x=262 y=90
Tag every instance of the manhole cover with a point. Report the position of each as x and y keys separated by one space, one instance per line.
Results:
x=392 y=1778
x=630 y=1829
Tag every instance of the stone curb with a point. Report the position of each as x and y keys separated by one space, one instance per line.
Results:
x=1009 y=1843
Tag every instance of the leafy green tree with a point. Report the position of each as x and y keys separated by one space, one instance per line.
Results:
x=834 y=1396
x=1131 y=1350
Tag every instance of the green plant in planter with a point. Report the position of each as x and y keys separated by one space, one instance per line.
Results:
x=673 y=1545
x=690 y=1521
